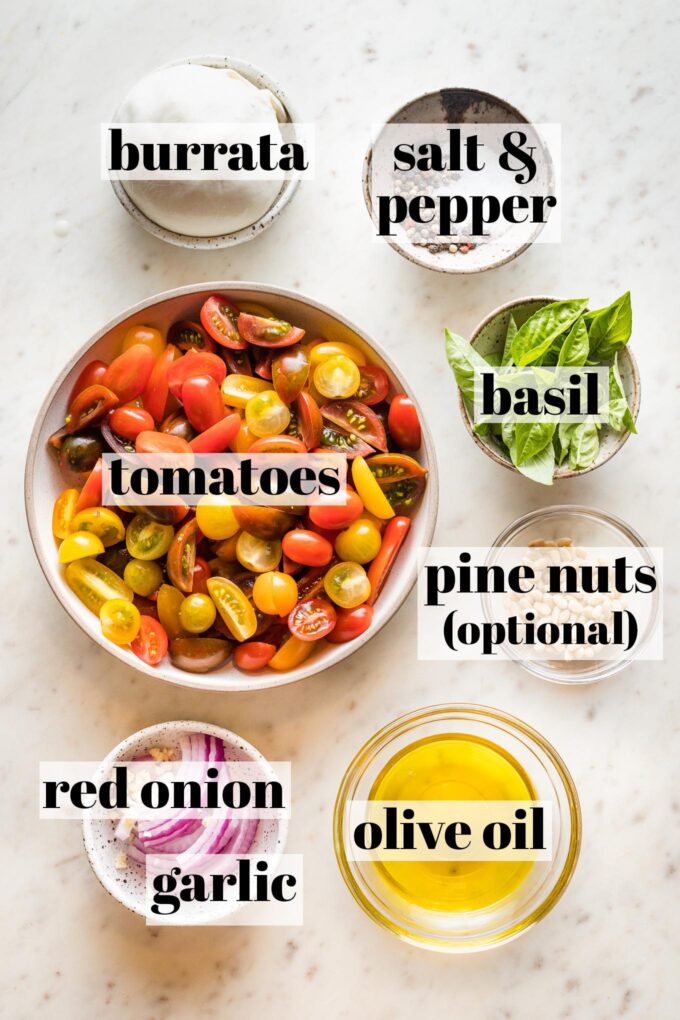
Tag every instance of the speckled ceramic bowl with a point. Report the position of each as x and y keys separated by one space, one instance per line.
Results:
x=454 y=106
x=288 y=188
x=489 y=338
x=43 y=480
x=127 y=885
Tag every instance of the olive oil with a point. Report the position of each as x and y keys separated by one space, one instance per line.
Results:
x=453 y=767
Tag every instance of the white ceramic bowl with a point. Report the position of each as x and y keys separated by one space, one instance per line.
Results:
x=288 y=188
x=128 y=885
x=43 y=480
x=488 y=337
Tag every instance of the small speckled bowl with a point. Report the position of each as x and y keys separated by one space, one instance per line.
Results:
x=128 y=885
x=489 y=338
x=288 y=188
x=454 y=106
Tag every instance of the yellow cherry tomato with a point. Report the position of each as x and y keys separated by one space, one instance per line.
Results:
x=79 y=544
x=372 y=496
x=197 y=613
x=275 y=593
x=120 y=621
x=267 y=414
x=146 y=539
x=292 y=653
x=227 y=550
x=215 y=517
x=359 y=542
x=102 y=522
x=144 y=576
x=258 y=554
x=94 y=583
x=329 y=349
x=62 y=514
x=337 y=378
x=168 y=604
x=244 y=439
x=238 y=389
x=145 y=335
x=347 y=585
x=233 y=606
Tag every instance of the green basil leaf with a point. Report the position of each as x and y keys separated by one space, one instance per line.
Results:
x=584 y=445
x=536 y=336
x=509 y=337
x=564 y=434
x=464 y=360
x=610 y=328
x=574 y=350
x=620 y=416
x=532 y=437
x=540 y=468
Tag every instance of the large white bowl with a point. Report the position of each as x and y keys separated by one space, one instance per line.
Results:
x=43 y=480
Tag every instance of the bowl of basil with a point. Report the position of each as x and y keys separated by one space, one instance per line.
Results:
x=550 y=332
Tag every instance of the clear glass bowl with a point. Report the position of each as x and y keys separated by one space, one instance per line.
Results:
x=472 y=930
x=586 y=526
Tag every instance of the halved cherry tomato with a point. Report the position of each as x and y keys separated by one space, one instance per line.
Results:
x=258 y=554
x=191 y=364
x=278 y=444
x=374 y=385
x=160 y=442
x=146 y=539
x=335 y=517
x=355 y=418
x=79 y=544
x=145 y=335
x=64 y=512
x=290 y=369
x=89 y=406
x=199 y=654
x=307 y=547
x=94 y=583
x=393 y=538
x=310 y=422
x=219 y=316
x=370 y=492
x=253 y=655
x=182 y=556
x=129 y=373
x=330 y=349
x=101 y=521
x=120 y=621
x=292 y=653
x=347 y=584
x=155 y=397
x=91 y=492
x=189 y=336
x=312 y=619
x=403 y=422
x=266 y=414
x=337 y=378
x=202 y=400
x=238 y=389
x=128 y=422
x=151 y=644
x=217 y=437
x=92 y=374
x=400 y=477
x=234 y=607
x=265 y=522
x=350 y=624
x=268 y=332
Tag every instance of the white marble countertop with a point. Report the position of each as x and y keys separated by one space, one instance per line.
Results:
x=72 y=258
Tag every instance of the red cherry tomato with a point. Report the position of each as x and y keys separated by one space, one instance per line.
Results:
x=219 y=316
x=268 y=332
x=91 y=492
x=374 y=385
x=338 y=516
x=202 y=572
x=278 y=444
x=393 y=537
x=155 y=396
x=128 y=422
x=307 y=547
x=350 y=624
x=217 y=438
x=253 y=655
x=93 y=373
x=403 y=422
x=310 y=422
x=202 y=400
x=187 y=336
x=160 y=442
x=89 y=406
x=129 y=373
x=191 y=364
x=312 y=619
x=151 y=644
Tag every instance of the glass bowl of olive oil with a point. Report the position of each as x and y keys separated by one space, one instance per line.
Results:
x=454 y=753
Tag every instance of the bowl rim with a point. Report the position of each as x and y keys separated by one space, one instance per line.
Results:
x=368 y=162
x=153 y=732
x=406 y=723
x=256 y=681
x=251 y=230
x=561 y=472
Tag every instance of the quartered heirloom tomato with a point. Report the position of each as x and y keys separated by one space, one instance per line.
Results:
x=102 y=522
x=291 y=654
x=120 y=621
x=63 y=512
x=290 y=369
x=350 y=624
x=202 y=400
x=94 y=583
x=219 y=316
x=356 y=419
x=238 y=389
x=188 y=336
x=312 y=619
x=199 y=654
x=91 y=492
x=253 y=655
x=191 y=364
x=403 y=422
x=268 y=332
x=129 y=373
x=400 y=477
x=182 y=556
x=90 y=406
x=146 y=539
x=78 y=545
x=347 y=585
x=349 y=443
x=369 y=491
x=168 y=603
x=374 y=385
x=258 y=554
x=93 y=373
x=234 y=607
x=145 y=335
x=151 y=644
x=310 y=422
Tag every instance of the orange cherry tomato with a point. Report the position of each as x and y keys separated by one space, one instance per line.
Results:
x=160 y=442
x=93 y=373
x=89 y=406
x=307 y=547
x=145 y=335
x=217 y=437
x=268 y=332
x=253 y=655
x=128 y=374
x=292 y=653
x=278 y=444
x=219 y=317
x=151 y=643
x=182 y=556
x=128 y=422
x=191 y=364
x=338 y=516
x=155 y=397
x=403 y=422
x=393 y=537
x=63 y=513
x=350 y=624
x=202 y=400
